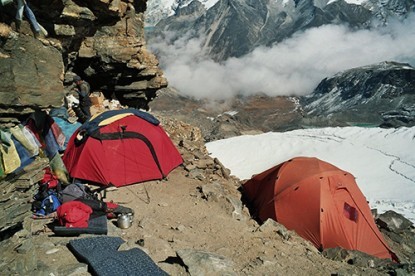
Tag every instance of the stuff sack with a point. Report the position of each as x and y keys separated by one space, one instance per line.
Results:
x=49 y=179
x=74 y=214
x=76 y=191
x=47 y=205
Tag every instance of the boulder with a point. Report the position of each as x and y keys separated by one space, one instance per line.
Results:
x=393 y=222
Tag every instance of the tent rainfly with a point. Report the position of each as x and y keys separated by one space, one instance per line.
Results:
x=319 y=201
x=121 y=147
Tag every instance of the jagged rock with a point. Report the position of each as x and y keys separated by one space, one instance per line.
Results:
x=225 y=171
x=64 y=30
x=31 y=77
x=14 y=197
x=73 y=11
x=205 y=263
x=400 y=233
x=272 y=225
x=74 y=269
x=237 y=212
x=212 y=191
x=101 y=41
x=185 y=136
x=18 y=254
x=394 y=222
x=352 y=257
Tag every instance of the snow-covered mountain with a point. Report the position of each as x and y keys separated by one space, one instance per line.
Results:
x=378 y=94
x=233 y=28
x=160 y=9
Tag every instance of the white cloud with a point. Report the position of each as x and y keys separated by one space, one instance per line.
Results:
x=292 y=67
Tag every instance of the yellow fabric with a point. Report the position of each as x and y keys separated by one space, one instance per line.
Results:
x=114 y=118
x=11 y=159
x=20 y=136
x=58 y=168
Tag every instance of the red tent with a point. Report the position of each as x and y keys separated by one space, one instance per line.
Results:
x=129 y=148
x=322 y=203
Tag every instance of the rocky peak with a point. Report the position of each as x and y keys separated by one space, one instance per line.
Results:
x=193 y=7
x=102 y=41
x=384 y=10
x=352 y=95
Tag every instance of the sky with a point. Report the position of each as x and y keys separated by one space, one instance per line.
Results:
x=292 y=67
x=381 y=160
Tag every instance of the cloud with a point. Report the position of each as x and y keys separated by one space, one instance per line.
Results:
x=292 y=67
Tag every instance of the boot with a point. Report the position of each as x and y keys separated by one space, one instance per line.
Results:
x=18 y=25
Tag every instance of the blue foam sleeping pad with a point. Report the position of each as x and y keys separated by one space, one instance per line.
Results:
x=103 y=257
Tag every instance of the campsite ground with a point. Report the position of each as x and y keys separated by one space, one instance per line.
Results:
x=194 y=222
x=186 y=213
x=183 y=217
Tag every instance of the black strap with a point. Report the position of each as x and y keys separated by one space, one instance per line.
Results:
x=130 y=135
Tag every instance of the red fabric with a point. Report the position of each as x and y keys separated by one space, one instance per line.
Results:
x=123 y=161
x=32 y=127
x=74 y=214
x=322 y=203
x=111 y=205
x=57 y=132
x=49 y=179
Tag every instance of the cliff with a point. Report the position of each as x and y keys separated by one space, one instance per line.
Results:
x=100 y=40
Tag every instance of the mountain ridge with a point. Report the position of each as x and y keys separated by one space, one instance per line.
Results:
x=233 y=28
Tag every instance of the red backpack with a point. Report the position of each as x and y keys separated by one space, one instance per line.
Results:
x=74 y=214
x=49 y=179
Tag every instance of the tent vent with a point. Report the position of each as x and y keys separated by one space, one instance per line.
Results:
x=350 y=212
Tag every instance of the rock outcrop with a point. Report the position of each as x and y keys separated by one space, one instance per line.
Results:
x=31 y=77
x=102 y=41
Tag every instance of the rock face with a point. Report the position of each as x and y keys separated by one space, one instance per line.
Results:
x=31 y=76
x=233 y=28
x=352 y=97
x=101 y=41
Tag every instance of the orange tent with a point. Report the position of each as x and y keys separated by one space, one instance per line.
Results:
x=322 y=203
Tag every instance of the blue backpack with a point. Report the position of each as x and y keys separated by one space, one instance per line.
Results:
x=48 y=205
